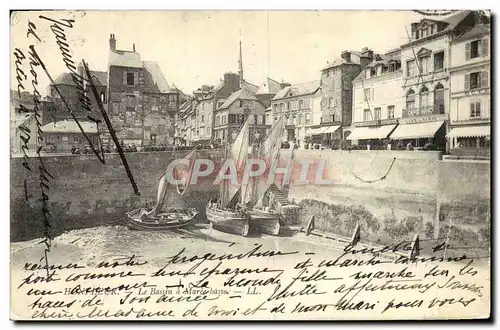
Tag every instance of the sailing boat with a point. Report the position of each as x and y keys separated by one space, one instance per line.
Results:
x=170 y=218
x=225 y=213
x=262 y=212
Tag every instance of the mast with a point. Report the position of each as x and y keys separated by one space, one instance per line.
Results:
x=240 y=64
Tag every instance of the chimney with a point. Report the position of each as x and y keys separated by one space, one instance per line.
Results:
x=133 y=48
x=112 y=42
x=231 y=81
x=346 y=56
x=366 y=57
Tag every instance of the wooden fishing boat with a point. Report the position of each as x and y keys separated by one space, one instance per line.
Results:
x=171 y=218
x=140 y=219
x=264 y=217
x=227 y=220
x=224 y=213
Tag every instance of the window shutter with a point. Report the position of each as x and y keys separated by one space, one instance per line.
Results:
x=467 y=82
x=124 y=78
x=484 y=78
x=478 y=109
x=467 y=51
x=136 y=78
x=484 y=47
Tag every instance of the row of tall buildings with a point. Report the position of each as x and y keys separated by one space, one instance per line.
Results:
x=433 y=89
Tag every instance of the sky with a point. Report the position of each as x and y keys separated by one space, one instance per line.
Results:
x=194 y=48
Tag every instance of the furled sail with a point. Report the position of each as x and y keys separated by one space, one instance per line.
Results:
x=238 y=153
x=269 y=151
x=183 y=173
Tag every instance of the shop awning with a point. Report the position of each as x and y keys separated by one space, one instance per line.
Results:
x=324 y=130
x=469 y=131
x=371 y=132
x=416 y=131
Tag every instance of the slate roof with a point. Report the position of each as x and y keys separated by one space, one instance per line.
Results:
x=158 y=79
x=69 y=126
x=355 y=59
x=299 y=89
x=251 y=87
x=64 y=79
x=454 y=20
x=269 y=87
x=125 y=58
x=241 y=94
x=99 y=77
x=475 y=32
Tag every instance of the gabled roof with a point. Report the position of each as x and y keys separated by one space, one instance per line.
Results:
x=64 y=79
x=355 y=59
x=476 y=32
x=125 y=59
x=99 y=78
x=455 y=19
x=299 y=89
x=241 y=94
x=251 y=87
x=69 y=126
x=157 y=78
x=269 y=87
x=17 y=119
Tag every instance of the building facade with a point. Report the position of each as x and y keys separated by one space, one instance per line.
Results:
x=61 y=136
x=295 y=103
x=141 y=104
x=377 y=100
x=336 y=91
x=426 y=74
x=231 y=115
x=470 y=103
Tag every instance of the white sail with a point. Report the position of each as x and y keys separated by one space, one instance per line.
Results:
x=184 y=174
x=269 y=151
x=238 y=153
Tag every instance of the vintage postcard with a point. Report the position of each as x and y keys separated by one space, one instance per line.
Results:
x=250 y=165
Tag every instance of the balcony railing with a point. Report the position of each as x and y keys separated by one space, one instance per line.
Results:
x=424 y=111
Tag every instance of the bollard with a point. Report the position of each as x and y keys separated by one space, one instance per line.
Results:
x=415 y=247
x=310 y=226
x=356 y=236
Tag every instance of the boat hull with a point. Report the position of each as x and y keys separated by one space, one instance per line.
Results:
x=264 y=222
x=228 y=221
x=170 y=219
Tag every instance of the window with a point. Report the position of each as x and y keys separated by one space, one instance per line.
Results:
x=301 y=118
x=424 y=33
x=288 y=106
x=367 y=94
x=232 y=118
x=474 y=49
x=410 y=99
x=474 y=80
x=131 y=101
x=410 y=68
x=256 y=119
x=367 y=115
x=301 y=104
x=438 y=61
x=475 y=109
x=282 y=107
x=423 y=63
x=202 y=118
x=377 y=113
x=102 y=96
x=331 y=102
x=130 y=79
x=308 y=118
x=208 y=131
x=241 y=103
x=424 y=97
x=306 y=104
x=268 y=119
x=373 y=72
x=390 y=112
x=439 y=98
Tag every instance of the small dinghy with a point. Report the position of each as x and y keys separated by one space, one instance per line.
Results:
x=157 y=218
